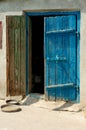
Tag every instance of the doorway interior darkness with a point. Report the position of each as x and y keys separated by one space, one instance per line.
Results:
x=37 y=54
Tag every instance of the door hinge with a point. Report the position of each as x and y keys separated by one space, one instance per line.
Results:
x=78 y=34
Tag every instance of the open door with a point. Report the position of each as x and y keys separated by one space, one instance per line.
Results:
x=16 y=55
x=61 y=57
x=36 y=52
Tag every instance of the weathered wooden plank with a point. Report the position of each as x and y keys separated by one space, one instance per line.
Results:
x=78 y=57
x=17 y=55
x=61 y=31
x=61 y=85
x=59 y=50
x=11 y=55
x=7 y=57
x=30 y=55
x=23 y=57
x=66 y=66
x=65 y=41
x=18 y=91
x=72 y=58
x=72 y=70
x=45 y=56
x=59 y=64
x=60 y=43
x=50 y=52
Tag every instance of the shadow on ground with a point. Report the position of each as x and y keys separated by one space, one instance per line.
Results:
x=54 y=106
x=31 y=99
x=63 y=106
x=68 y=106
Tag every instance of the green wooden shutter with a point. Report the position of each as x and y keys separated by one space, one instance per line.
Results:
x=16 y=55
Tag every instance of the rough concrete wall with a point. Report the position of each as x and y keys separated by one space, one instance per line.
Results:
x=3 y=54
x=18 y=5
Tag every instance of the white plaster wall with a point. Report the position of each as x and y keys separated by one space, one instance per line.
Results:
x=3 y=54
x=83 y=58
x=17 y=5
x=3 y=60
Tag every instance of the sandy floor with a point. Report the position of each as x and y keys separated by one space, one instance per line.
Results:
x=41 y=115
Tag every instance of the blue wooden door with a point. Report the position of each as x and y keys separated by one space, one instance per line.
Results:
x=61 y=57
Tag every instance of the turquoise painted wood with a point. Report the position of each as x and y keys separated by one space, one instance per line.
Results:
x=61 y=57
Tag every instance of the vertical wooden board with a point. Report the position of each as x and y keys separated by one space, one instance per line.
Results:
x=62 y=74
x=78 y=57
x=65 y=26
x=51 y=55
x=51 y=50
x=59 y=50
x=50 y=24
x=59 y=22
x=23 y=56
x=65 y=22
x=45 y=62
x=63 y=68
x=72 y=22
x=46 y=50
x=78 y=51
x=17 y=54
x=59 y=76
x=72 y=59
x=51 y=78
x=46 y=53
x=66 y=65
x=72 y=64
x=30 y=55
x=7 y=57
x=11 y=55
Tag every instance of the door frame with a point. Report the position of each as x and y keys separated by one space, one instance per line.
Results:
x=53 y=12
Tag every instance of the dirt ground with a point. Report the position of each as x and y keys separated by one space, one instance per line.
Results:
x=37 y=114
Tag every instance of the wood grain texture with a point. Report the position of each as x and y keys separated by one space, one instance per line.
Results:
x=11 y=55
x=60 y=43
x=7 y=58
x=16 y=55
x=30 y=55
x=23 y=56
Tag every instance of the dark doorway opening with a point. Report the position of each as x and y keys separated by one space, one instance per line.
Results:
x=37 y=55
